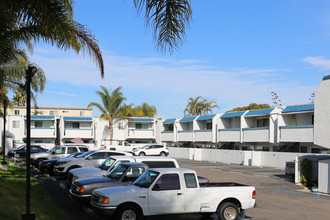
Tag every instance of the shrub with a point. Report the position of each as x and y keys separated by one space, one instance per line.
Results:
x=306 y=172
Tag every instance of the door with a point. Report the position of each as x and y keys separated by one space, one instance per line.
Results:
x=192 y=193
x=95 y=159
x=166 y=196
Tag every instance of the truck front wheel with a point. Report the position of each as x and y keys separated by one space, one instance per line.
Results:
x=228 y=211
x=128 y=212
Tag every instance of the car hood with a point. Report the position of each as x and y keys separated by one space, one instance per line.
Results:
x=92 y=180
x=50 y=161
x=120 y=190
x=88 y=172
x=40 y=154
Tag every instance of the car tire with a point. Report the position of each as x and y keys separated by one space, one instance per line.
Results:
x=130 y=212
x=142 y=154
x=162 y=154
x=17 y=156
x=228 y=211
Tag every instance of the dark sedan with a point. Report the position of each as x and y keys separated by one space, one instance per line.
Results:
x=21 y=151
x=47 y=166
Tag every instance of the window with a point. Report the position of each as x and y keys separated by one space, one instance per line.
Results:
x=121 y=126
x=42 y=124
x=159 y=164
x=60 y=150
x=16 y=124
x=141 y=126
x=209 y=125
x=82 y=113
x=263 y=122
x=167 y=182
x=316 y=150
x=53 y=112
x=96 y=156
x=303 y=149
x=17 y=112
x=83 y=149
x=65 y=112
x=190 y=180
x=72 y=150
x=72 y=125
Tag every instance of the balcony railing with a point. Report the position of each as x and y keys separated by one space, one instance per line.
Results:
x=167 y=136
x=186 y=135
x=42 y=132
x=258 y=134
x=203 y=135
x=229 y=135
x=304 y=133
x=82 y=133
x=141 y=133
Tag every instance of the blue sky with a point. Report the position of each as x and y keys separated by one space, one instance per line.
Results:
x=235 y=53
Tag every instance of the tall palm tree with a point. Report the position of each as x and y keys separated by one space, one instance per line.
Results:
x=48 y=20
x=199 y=106
x=168 y=20
x=208 y=106
x=110 y=106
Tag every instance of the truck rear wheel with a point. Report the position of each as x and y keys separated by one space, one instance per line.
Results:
x=128 y=212
x=228 y=211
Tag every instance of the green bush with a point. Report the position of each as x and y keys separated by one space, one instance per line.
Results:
x=306 y=172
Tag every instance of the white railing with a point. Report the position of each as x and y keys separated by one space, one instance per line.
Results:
x=229 y=135
x=297 y=133
x=82 y=133
x=141 y=133
x=42 y=132
x=256 y=134
x=186 y=135
x=167 y=136
x=203 y=135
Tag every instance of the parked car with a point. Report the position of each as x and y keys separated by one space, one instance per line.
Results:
x=123 y=174
x=151 y=150
x=119 y=145
x=88 y=159
x=47 y=166
x=290 y=168
x=113 y=161
x=57 y=152
x=21 y=151
x=166 y=191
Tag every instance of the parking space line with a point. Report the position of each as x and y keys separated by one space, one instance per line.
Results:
x=282 y=190
x=317 y=196
x=298 y=193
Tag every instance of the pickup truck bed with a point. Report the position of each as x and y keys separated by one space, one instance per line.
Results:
x=222 y=184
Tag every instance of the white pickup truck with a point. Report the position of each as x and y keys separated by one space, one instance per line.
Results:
x=167 y=191
x=119 y=145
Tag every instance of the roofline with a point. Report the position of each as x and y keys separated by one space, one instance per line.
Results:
x=59 y=108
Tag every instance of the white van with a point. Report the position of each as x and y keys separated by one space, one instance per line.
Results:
x=112 y=161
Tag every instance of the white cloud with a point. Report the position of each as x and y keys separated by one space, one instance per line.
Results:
x=176 y=80
x=60 y=93
x=320 y=62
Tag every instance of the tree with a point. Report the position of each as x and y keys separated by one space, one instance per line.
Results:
x=14 y=78
x=276 y=99
x=145 y=110
x=252 y=106
x=48 y=20
x=199 y=106
x=110 y=107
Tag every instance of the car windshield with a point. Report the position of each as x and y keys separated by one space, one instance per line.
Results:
x=86 y=154
x=52 y=149
x=117 y=172
x=146 y=179
x=145 y=146
x=106 y=164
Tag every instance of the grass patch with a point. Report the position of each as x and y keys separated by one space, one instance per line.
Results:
x=13 y=197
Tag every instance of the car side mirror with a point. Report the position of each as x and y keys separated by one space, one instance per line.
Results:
x=156 y=187
x=88 y=158
x=53 y=152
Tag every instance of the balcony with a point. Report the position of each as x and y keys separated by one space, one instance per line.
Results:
x=203 y=135
x=186 y=135
x=304 y=133
x=258 y=134
x=230 y=135
x=42 y=133
x=141 y=133
x=82 y=133
x=167 y=136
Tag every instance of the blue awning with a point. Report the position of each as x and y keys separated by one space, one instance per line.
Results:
x=41 y=117
x=232 y=114
x=299 y=108
x=169 y=121
x=77 y=118
x=188 y=119
x=205 y=117
x=259 y=112
x=142 y=119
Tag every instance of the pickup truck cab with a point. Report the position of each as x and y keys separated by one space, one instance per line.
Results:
x=113 y=161
x=119 y=145
x=121 y=175
x=173 y=191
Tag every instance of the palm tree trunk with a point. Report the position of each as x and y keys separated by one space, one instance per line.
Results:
x=110 y=131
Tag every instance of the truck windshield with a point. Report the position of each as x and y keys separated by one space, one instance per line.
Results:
x=106 y=164
x=52 y=149
x=117 y=172
x=146 y=179
x=86 y=154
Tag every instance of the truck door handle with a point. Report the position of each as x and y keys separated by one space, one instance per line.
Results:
x=142 y=197
x=179 y=194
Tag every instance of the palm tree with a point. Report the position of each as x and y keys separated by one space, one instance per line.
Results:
x=168 y=19
x=14 y=77
x=47 y=20
x=110 y=107
x=199 y=106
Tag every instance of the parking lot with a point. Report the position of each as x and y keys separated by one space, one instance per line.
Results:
x=277 y=196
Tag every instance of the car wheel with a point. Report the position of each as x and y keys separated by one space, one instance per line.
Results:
x=142 y=154
x=228 y=211
x=128 y=212
x=162 y=154
x=17 y=156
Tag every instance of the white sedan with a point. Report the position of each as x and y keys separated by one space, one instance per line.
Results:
x=151 y=150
